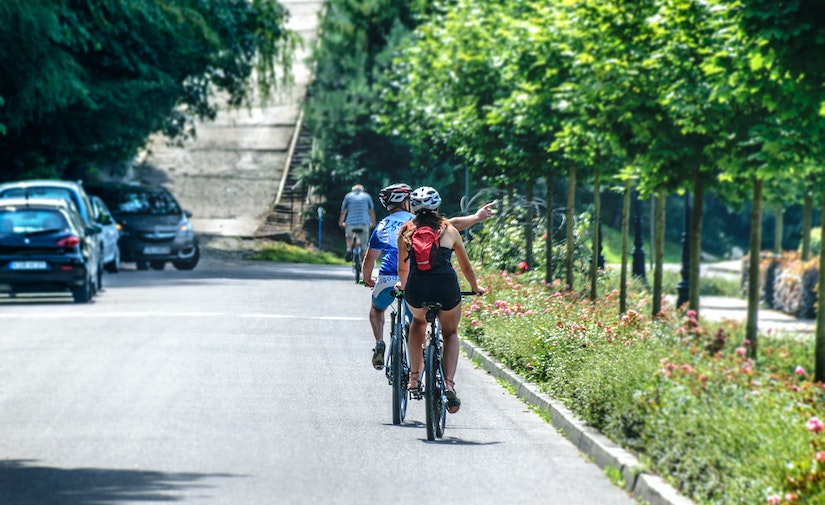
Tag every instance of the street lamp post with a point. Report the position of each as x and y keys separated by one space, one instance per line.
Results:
x=683 y=287
x=638 y=246
x=320 y=226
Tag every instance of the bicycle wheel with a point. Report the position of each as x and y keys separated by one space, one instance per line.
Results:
x=400 y=374
x=436 y=412
x=356 y=263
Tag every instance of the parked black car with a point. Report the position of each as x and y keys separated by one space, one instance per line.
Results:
x=45 y=247
x=74 y=193
x=154 y=229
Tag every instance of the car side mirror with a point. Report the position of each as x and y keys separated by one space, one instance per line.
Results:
x=93 y=229
x=188 y=213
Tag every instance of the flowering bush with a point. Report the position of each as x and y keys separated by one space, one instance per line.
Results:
x=682 y=393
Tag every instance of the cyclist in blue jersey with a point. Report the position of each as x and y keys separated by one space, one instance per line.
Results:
x=396 y=199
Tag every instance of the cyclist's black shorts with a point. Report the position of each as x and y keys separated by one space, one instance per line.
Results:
x=441 y=287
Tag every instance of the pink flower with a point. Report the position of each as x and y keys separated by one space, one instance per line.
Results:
x=741 y=351
x=814 y=425
x=799 y=371
x=774 y=500
x=820 y=456
x=522 y=265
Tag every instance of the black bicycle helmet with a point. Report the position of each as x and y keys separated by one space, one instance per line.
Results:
x=394 y=195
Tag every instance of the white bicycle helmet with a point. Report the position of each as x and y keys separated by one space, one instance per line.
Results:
x=424 y=198
x=393 y=196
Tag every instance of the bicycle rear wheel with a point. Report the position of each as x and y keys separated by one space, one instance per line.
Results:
x=356 y=263
x=436 y=411
x=400 y=374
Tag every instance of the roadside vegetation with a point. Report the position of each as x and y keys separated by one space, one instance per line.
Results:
x=288 y=253
x=682 y=394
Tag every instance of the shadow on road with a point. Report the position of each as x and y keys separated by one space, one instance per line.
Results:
x=23 y=482
x=458 y=441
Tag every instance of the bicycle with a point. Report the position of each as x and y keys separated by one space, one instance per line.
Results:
x=357 y=257
x=431 y=382
x=398 y=362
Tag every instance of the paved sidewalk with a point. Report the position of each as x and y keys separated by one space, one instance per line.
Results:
x=718 y=308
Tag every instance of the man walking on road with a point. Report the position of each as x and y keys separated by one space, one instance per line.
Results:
x=357 y=212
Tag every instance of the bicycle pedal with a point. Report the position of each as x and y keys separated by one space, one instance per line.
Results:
x=415 y=394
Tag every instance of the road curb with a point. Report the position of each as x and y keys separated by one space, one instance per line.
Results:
x=647 y=487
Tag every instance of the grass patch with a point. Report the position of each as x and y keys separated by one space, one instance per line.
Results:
x=282 y=252
x=612 y=248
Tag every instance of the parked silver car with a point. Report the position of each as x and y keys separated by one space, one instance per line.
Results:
x=110 y=234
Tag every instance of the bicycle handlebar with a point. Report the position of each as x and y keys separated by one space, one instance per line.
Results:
x=470 y=293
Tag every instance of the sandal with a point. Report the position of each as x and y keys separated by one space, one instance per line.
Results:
x=453 y=403
x=413 y=384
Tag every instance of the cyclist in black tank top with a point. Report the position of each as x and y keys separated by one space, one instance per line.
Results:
x=439 y=284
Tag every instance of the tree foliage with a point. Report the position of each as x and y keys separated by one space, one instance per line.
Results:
x=87 y=81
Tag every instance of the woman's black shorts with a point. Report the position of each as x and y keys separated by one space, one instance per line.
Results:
x=441 y=287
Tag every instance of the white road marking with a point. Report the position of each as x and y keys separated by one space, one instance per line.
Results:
x=101 y=315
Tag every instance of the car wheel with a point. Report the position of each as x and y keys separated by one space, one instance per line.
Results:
x=114 y=265
x=82 y=294
x=99 y=284
x=157 y=264
x=190 y=263
x=142 y=265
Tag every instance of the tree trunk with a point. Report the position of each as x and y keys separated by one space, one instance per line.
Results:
x=696 y=240
x=659 y=253
x=571 y=238
x=778 y=231
x=625 y=248
x=751 y=328
x=548 y=242
x=528 y=225
x=594 y=257
x=819 y=349
x=807 y=212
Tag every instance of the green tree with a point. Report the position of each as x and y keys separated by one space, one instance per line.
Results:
x=88 y=82
x=475 y=82
x=356 y=42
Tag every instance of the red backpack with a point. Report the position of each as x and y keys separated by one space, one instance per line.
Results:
x=425 y=243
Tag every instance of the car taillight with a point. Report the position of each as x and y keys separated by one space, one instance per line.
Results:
x=70 y=241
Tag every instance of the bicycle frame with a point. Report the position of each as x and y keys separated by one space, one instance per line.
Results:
x=432 y=374
x=357 y=257
x=398 y=367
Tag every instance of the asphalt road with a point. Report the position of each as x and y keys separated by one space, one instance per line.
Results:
x=248 y=383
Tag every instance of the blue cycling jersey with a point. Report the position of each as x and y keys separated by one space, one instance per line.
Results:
x=385 y=238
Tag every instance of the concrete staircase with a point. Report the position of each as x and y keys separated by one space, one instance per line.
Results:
x=236 y=176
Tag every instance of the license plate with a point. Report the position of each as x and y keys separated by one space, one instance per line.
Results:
x=156 y=250
x=28 y=265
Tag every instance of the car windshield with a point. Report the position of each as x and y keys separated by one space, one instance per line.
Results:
x=144 y=201
x=37 y=192
x=31 y=221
